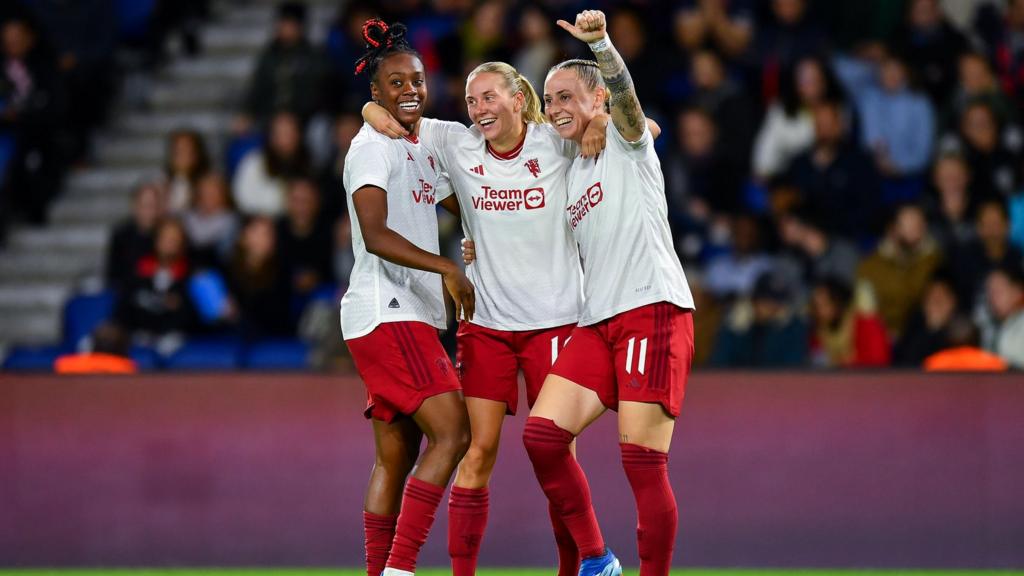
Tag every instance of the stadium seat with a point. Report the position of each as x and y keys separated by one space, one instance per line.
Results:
x=206 y=354
x=82 y=314
x=133 y=19
x=146 y=358
x=32 y=358
x=277 y=355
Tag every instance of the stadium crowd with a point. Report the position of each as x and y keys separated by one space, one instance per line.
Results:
x=845 y=180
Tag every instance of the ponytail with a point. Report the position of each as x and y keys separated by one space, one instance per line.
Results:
x=514 y=82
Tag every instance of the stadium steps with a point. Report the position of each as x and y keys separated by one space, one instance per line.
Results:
x=40 y=268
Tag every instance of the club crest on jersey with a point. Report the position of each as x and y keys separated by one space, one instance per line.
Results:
x=533 y=166
x=425 y=195
x=508 y=199
x=580 y=208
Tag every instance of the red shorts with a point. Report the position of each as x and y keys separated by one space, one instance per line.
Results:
x=641 y=355
x=488 y=361
x=402 y=364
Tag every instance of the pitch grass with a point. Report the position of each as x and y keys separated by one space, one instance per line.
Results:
x=487 y=572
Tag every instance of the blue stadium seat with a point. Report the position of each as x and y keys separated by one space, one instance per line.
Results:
x=83 y=313
x=133 y=18
x=206 y=354
x=32 y=358
x=277 y=355
x=146 y=358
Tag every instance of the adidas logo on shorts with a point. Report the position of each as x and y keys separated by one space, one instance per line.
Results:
x=393 y=303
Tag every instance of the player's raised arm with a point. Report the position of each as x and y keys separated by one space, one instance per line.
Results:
x=627 y=115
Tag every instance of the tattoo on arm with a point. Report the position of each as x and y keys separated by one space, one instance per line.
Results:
x=625 y=107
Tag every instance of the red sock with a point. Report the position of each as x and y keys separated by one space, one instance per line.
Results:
x=563 y=482
x=657 y=516
x=419 y=504
x=568 y=554
x=467 y=518
x=380 y=531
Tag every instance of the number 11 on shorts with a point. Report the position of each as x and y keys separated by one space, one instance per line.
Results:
x=642 y=357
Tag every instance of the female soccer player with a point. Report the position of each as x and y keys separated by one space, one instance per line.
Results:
x=509 y=172
x=393 y=309
x=633 y=348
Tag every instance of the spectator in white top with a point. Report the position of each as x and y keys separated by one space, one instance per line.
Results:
x=1003 y=333
x=262 y=179
x=788 y=130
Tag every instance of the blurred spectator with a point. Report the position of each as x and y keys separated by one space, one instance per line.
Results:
x=835 y=178
x=930 y=45
x=762 y=332
x=84 y=36
x=132 y=239
x=258 y=284
x=176 y=16
x=187 y=160
x=211 y=222
x=344 y=257
x=726 y=26
x=1002 y=33
x=898 y=271
x=847 y=330
x=289 y=74
x=304 y=238
x=262 y=178
x=332 y=191
x=708 y=315
x=898 y=128
x=344 y=45
x=538 y=50
x=1003 y=333
x=972 y=262
x=483 y=34
x=977 y=84
x=154 y=307
x=701 y=181
x=927 y=331
x=31 y=109
x=733 y=274
x=108 y=354
x=962 y=353
x=646 y=64
x=992 y=157
x=788 y=128
x=952 y=211
x=817 y=255
x=732 y=112
x=789 y=35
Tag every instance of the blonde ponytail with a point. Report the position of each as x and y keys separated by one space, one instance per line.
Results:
x=514 y=82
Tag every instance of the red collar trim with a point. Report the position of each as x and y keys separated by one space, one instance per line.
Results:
x=412 y=138
x=511 y=153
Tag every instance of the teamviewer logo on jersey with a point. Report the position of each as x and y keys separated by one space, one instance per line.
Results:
x=534 y=198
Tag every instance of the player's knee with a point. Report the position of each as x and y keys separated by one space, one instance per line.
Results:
x=480 y=458
x=453 y=443
x=542 y=437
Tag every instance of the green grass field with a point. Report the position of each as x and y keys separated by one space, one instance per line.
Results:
x=493 y=572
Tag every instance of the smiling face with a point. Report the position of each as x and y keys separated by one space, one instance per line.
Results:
x=401 y=87
x=495 y=111
x=568 y=104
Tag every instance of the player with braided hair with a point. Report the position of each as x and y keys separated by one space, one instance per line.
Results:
x=394 y=307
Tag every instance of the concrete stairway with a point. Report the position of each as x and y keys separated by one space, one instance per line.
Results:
x=41 y=268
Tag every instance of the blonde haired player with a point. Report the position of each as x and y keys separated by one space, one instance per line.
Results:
x=633 y=347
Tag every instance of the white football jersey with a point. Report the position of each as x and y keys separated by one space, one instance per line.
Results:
x=619 y=217
x=378 y=290
x=527 y=272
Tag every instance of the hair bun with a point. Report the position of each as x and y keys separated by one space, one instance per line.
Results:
x=375 y=32
x=396 y=33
